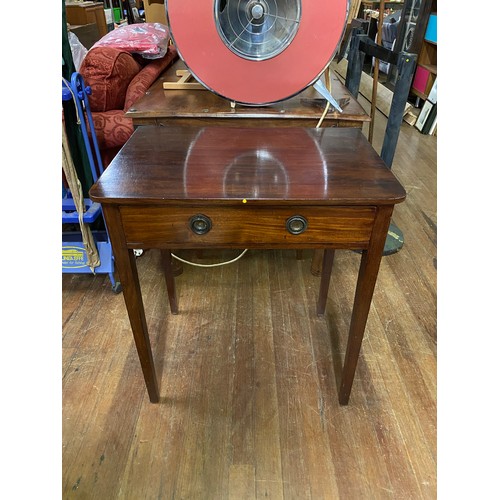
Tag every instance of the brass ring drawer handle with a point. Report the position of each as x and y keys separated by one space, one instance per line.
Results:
x=296 y=224
x=200 y=224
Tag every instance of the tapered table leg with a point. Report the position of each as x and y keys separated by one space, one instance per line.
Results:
x=326 y=272
x=127 y=269
x=168 y=271
x=367 y=277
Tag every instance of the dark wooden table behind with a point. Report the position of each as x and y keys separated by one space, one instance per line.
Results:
x=202 y=108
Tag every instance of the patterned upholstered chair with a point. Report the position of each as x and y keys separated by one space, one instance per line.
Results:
x=117 y=79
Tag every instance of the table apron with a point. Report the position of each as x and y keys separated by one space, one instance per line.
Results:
x=248 y=227
x=247 y=122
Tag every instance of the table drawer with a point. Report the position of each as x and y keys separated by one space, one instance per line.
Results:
x=247 y=227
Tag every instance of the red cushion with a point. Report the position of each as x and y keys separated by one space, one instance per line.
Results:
x=113 y=128
x=108 y=72
x=144 y=79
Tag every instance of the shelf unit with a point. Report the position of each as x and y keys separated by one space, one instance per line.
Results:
x=83 y=13
x=426 y=71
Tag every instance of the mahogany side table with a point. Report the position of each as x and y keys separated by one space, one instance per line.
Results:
x=298 y=188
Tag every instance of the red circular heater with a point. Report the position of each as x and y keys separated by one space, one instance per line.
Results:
x=256 y=52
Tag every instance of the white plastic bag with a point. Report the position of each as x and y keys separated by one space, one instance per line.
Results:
x=78 y=51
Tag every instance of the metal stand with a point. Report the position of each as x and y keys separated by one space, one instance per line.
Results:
x=361 y=46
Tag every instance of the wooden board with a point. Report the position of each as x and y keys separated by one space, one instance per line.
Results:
x=183 y=82
x=353 y=10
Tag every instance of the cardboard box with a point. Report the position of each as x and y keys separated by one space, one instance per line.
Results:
x=155 y=12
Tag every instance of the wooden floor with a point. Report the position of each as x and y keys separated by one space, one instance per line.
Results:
x=248 y=374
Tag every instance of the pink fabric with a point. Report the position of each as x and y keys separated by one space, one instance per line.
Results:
x=147 y=39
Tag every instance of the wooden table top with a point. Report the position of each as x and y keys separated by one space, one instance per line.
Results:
x=158 y=105
x=263 y=166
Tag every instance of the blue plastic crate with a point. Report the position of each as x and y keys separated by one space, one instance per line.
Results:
x=70 y=215
x=74 y=256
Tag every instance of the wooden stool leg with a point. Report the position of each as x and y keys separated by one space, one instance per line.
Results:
x=328 y=256
x=166 y=258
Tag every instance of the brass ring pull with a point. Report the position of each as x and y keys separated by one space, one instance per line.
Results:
x=200 y=224
x=296 y=224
